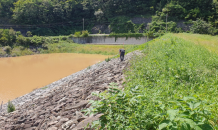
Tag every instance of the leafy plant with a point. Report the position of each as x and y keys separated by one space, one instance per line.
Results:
x=89 y=67
x=7 y=49
x=77 y=34
x=29 y=34
x=85 y=34
x=189 y=113
x=107 y=59
x=45 y=46
x=127 y=35
x=202 y=27
x=70 y=36
x=64 y=38
x=11 y=107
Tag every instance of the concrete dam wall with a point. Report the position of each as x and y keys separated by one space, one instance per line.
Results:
x=110 y=40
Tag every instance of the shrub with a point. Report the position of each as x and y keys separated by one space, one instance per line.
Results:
x=7 y=37
x=22 y=48
x=85 y=34
x=127 y=35
x=14 y=55
x=11 y=107
x=48 y=40
x=55 y=41
x=89 y=67
x=18 y=33
x=77 y=34
x=36 y=40
x=21 y=41
x=45 y=46
x=70 y=36
x=40 y=50
x=107 y=59
x=29 y=34
x=202 y=27
x=70 y=40
x=150 y=33
x=7 y=49
x=64 y=38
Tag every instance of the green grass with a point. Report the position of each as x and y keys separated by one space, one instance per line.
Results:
x=18 y=51
x=209 y=42
x=173 y=87
x=44 y=88
x=66 y=47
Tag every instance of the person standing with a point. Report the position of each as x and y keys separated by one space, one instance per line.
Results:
x=122 y=53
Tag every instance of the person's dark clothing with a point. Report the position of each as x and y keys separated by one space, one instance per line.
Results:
x=122 y=53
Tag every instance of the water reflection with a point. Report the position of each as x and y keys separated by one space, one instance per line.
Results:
x=20 y=75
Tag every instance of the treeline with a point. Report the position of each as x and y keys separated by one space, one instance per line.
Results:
x=35 y=12
x=9 y=37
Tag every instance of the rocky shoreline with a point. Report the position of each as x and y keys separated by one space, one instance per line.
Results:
x=35 y=94
x=58 y=106
x=34 y=50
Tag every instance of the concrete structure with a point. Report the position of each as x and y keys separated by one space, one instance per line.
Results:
x=110 y=40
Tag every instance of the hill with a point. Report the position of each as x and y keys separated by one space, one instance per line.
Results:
x=55 y=17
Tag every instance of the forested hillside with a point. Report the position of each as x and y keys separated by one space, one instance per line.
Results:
x=66 y=16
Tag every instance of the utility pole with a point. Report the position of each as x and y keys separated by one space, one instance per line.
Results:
x=83 y=24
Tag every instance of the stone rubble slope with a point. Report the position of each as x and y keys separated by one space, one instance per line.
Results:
x=35 y=94
x=60 y=107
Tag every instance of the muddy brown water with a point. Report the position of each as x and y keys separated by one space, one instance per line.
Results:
x=21 y=75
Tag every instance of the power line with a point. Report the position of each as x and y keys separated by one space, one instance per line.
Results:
x=46 y=25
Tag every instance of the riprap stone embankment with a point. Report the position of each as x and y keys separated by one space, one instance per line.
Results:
x=59 y=107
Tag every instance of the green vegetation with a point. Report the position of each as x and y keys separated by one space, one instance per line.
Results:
x=108 y=59
x=54 y=17
x=65 y=47
x=7 y=49
x=9 y=37
x=11 y=107
x=89 y=67
x=207 y=41
x=127 y=35
x=123 y=24
x=174 y=86
x=15 y=44
x=202 y=27
x=44 y=87
x=83 y=34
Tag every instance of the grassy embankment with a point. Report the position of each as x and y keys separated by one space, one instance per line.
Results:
x=66 y=46
x=209 y=42
x=173 y=87
x=86 y=48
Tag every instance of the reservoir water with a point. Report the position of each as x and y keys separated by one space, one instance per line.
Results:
x=21 y=75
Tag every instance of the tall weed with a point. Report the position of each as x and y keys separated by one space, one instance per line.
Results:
x=11 y=107
x=173 y=87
